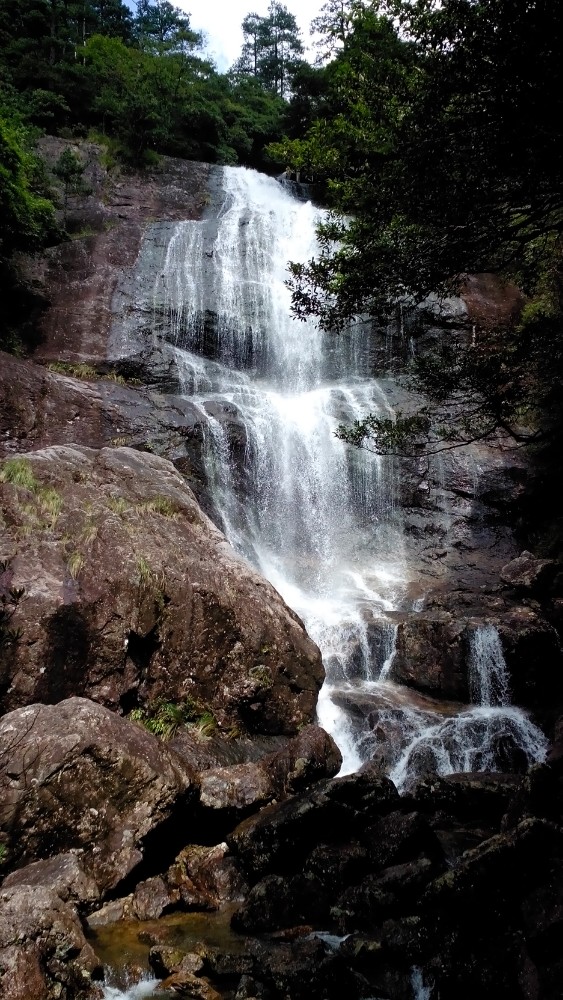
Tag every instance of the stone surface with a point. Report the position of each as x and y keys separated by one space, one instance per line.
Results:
x=63 y=874
x=279 y=837
x=526 y=573
x=74 y=775
x=188 y=985
x=431 y=656
x=43 y=952
x=79 y=277
x=204 y=878
x=151 y=899
x=40 y=407
x=239 y=787
x=132 y=594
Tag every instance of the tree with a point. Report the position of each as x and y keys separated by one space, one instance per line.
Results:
x=163 y=29
x=69 y=169
x=334 y=24
x=442 y=155
x=272 y=48
x=27 y=216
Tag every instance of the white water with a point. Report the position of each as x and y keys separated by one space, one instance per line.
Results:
x=318 y=518
x=137 y=991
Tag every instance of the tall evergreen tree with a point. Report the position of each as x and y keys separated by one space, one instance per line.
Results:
x=272 y=49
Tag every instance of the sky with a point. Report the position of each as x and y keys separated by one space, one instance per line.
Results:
x=221 y=21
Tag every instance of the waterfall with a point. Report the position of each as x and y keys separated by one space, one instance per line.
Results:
x=319 y=519
x=136 y=991
x=490 y=736
x=488 y=674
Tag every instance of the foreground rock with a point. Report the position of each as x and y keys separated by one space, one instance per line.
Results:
x=76 y=776
x=461 y=881
x=43 y=952
x=132 y=594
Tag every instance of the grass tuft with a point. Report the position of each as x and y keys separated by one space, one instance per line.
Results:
x=75 y=564
x=18 y=472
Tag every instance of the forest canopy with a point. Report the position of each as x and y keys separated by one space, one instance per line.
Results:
x=437 y=141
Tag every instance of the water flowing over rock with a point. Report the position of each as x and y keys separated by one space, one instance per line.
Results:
x=377 y=558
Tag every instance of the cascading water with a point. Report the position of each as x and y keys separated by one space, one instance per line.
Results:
x=484 y=738
x=319 y=519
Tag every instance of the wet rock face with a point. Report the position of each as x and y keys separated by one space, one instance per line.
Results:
x=527 y=574
x=433 y=888
x=40 y=407
x=76 y=776
x=79 y=278
x=131 y=594
x=43 y=952
x=431 y=656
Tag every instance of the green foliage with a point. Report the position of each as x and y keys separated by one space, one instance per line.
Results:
x=158 y=505
x=165 y=718
x=27 y=217
x=437 y=138
x=147 y=576
x=403 y=435
x=18 y=472
x=139 y=83
x=69 y=169
x=75 y=564
x=272 y=49
x=81 y=370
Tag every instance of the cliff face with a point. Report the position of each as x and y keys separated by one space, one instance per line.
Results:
x=78 y=278
x=94 y=625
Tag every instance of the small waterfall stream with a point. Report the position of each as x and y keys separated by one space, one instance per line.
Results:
x=319 y=519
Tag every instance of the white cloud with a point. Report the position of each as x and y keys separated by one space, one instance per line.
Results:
x=221 y=21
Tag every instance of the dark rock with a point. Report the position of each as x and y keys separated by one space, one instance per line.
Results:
x=250 y=989
x=480 y=797
x=282 y=835
x=431 y=657
x=151 y=899
x=187 y=985
x=240 y=787
x=75 y=775
x=365 y=906
x=205 y=878
x=555 y=753
x=398 y=837
x=485 y=875
x=491 y=300
x=534 y=657
x=43 y=952
x=528 y=574
x=306 y=758
x=280 y=902
x=63 y=874
x=164 y=960
x=306 y=968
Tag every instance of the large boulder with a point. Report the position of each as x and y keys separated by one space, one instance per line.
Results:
x=132 y=594
x=431 y=655
x=280 y=836
x=63 y=874
x=76 y=776
x=43 y=952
